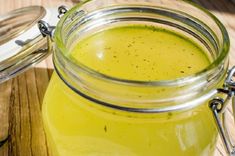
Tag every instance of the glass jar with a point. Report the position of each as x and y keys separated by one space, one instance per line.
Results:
x=88 y=113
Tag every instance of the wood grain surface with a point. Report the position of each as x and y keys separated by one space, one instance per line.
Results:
x=21 y=97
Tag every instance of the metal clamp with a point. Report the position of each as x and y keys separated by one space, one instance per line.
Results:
x=218 y=106
x=48 y=30
x=62 y=10
x=45 y=28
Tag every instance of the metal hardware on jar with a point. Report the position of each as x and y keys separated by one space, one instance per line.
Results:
x=47 y=30
x=218 y=106
x=62 y=10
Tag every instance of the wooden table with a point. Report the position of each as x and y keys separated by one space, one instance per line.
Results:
x=21 y=97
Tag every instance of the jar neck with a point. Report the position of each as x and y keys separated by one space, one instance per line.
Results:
x=140 y=96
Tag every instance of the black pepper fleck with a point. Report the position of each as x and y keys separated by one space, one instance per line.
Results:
x=169 y=115
x=107 y=48
x=105 y=129
x=129 y=45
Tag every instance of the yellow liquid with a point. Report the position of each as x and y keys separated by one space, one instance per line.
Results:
x=140 y=53
x=76 y=126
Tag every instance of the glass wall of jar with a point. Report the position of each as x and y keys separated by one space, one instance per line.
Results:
x=87 y=112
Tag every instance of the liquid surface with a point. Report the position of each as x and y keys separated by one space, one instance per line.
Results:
x=76 y=126
x=140 y=53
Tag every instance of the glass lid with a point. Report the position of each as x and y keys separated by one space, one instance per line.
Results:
x=21 y=42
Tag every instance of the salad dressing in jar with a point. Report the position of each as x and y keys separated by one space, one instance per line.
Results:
x=133 y=52
x=134 y=79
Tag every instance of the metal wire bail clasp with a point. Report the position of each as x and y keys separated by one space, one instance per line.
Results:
x=48 y=30
x=218 y=106
x=62 y=10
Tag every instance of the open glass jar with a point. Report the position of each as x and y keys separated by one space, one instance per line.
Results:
x=86 y=112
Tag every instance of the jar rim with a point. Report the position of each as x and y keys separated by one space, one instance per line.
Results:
x=223 y=54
